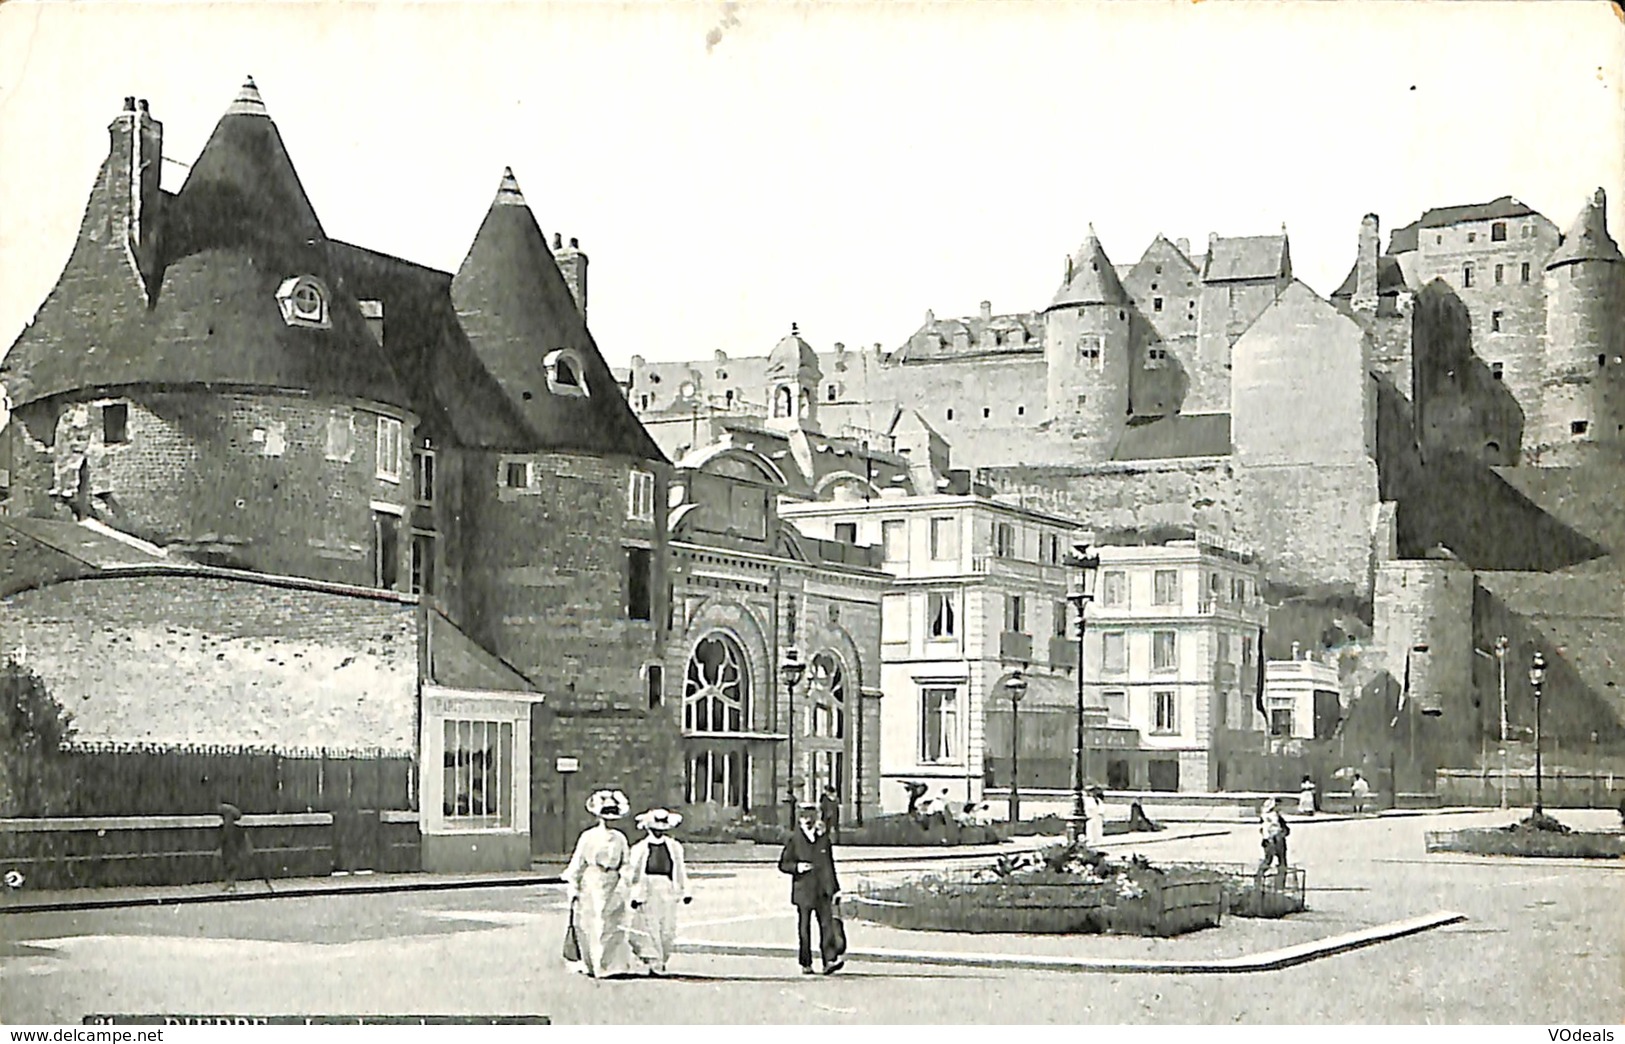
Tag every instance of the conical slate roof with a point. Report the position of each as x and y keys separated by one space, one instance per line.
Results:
x=240 y=230
x=243 y=183
x=1588 y=239
x=1090 y=278
x=515 y=309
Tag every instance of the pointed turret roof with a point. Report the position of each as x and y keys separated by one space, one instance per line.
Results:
x=1090 y=277
x=516 y=310
x=1588 y=239
x=243 y=184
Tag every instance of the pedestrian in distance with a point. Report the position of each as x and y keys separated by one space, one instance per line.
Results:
x=829 y=813
x=1094 y=816
x=1306 y=797
x=1273 y=831
x=1362 y=795
x=657 y=880
x=237 y=855
x=599 y=914
x=814 y=890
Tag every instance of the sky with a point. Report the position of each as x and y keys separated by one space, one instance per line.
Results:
x=731 y=169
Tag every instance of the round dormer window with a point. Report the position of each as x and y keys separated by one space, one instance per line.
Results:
x=303 y=301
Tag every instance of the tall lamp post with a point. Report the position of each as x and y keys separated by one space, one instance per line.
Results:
x=790 y=672
x=1016 y=686
x=1537 y=679
x=1087 y=565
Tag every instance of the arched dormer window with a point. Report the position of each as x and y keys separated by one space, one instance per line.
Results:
x=565 y=374
x=303 y=302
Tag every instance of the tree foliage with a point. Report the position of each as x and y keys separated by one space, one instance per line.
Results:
x=33 y=729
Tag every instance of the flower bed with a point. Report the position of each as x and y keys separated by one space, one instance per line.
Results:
x=904 y=830
x=1536 y=844
x=1539 y=836
x=1064 y=890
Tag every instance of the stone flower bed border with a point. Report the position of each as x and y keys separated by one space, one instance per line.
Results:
x=1176 y=901
x=1540 y=845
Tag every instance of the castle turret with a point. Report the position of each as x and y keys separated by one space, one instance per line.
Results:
x=1582 y=400
x=1087 y=347
x=792 y=384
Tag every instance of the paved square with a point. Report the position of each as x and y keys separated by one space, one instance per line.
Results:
x=1543 y=943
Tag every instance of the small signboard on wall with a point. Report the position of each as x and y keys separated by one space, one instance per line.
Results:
x=566 y=765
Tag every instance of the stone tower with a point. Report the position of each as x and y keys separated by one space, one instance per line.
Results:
x=1088 y=351
x=792 y=376
x=1581 y=412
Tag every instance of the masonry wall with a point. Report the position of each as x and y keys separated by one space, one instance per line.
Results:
x=257 y=481
x=189 y=660
x=1461 y=403
x=995 y=403
x=546 y=577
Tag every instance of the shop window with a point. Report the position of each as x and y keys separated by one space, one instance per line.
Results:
x=477 y=787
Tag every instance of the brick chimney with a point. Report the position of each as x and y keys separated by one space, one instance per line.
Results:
x=987 y=311
x=572 y=264
x=1365 y=266
x=134 y=164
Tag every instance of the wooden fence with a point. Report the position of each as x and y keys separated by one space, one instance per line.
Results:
x=131 y=780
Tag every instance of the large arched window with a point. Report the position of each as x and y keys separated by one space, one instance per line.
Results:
x=716 y=687
x=828 y=690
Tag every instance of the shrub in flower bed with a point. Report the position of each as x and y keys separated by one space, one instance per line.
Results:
x=1063 y=889
x=1530 y=839
x=905 y=830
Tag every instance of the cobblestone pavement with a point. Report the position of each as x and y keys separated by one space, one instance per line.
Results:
x=1543 y=943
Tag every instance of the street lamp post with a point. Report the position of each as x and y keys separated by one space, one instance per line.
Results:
x=1016 y=686
x=1087 y=565
x=1537 y=679
x=1501 y=685
x=790 y=672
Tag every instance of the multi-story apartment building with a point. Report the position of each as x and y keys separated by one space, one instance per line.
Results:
x=980 y=592
x=1171 y=650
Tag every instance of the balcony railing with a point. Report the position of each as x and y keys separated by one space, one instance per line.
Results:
x=1015 y=646
x=1063 y=652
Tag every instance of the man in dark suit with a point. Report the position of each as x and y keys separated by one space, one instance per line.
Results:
x=814 y=888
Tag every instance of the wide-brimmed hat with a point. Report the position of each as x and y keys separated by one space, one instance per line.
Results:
x=659 y=819
x=806 y=806
x=608 y=804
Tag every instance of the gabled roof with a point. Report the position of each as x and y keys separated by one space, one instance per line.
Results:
x=1246 y=257
x=514 y=306
x=1178 y=435
x=1090 y=278
x=1588 y=239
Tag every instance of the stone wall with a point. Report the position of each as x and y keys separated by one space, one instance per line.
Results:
x=275 y=483
x=188 y=660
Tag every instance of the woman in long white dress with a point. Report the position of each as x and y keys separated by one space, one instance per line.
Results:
x=1094 y=817
x=598 y=898
x=657 y=878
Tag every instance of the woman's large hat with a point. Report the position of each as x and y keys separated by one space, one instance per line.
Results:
x=659 y=819
x=608 y=804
